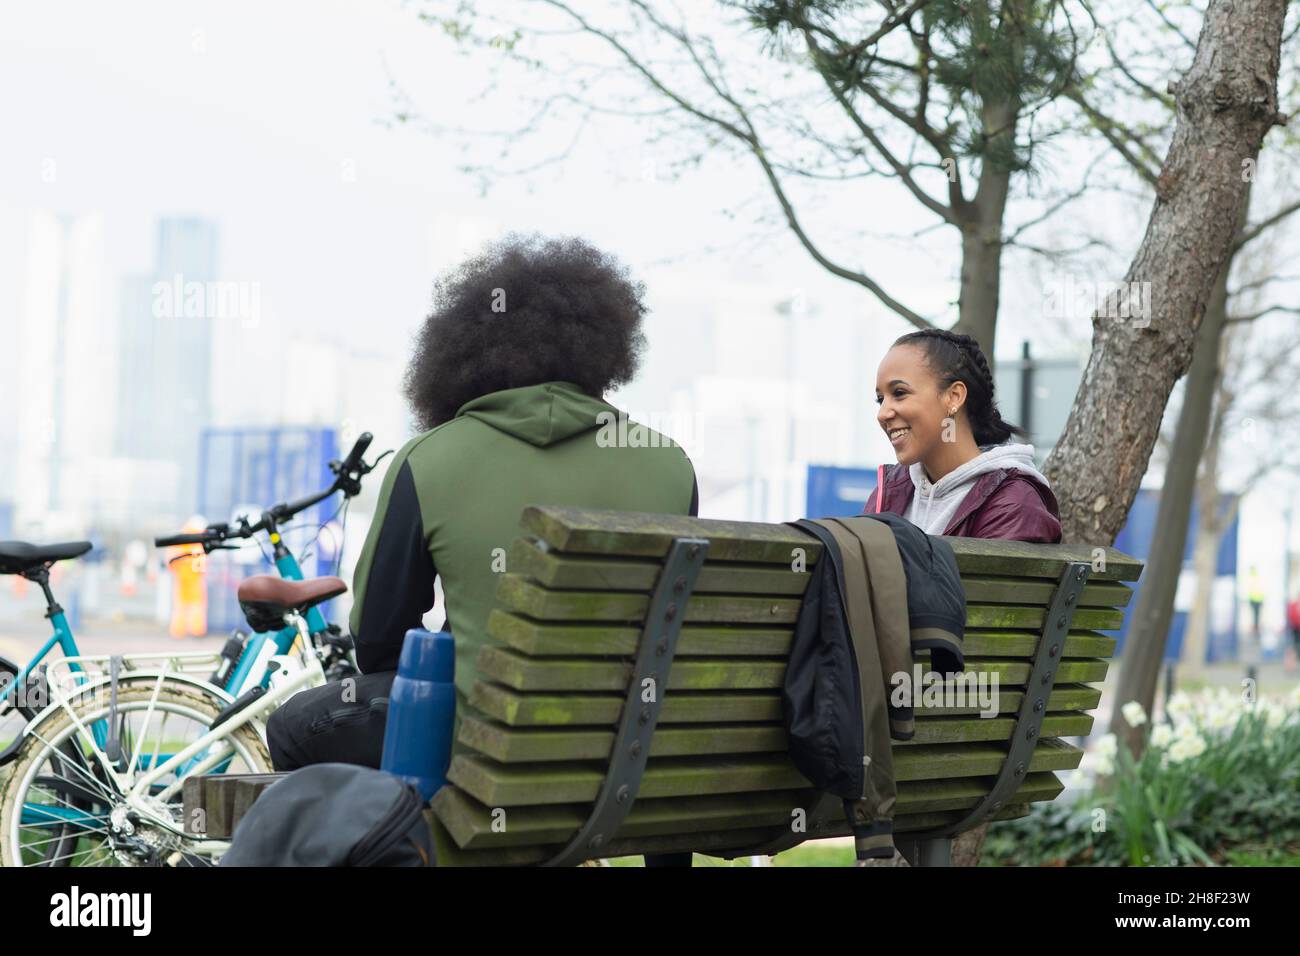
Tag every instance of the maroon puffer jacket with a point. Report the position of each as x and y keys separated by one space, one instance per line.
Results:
x=1008 y=503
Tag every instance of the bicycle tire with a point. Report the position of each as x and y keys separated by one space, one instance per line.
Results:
x=59 y=729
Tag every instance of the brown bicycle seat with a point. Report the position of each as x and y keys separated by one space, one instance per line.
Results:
x=270 y=593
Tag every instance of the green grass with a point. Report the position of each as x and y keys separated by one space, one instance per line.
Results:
x=813 y=853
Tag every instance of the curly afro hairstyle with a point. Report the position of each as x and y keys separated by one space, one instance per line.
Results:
x=526 y=310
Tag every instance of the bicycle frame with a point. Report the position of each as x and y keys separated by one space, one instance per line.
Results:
x=182 y=764
x=289 y=569
x=64 y=639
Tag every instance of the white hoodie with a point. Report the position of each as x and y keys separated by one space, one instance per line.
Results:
x=935 y=503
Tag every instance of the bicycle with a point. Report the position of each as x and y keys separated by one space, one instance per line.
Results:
x=211 y=698
x=242 y=654
x=76 y=798
x=22 y=691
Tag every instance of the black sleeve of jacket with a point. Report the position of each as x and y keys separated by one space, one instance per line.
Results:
x=399 y=586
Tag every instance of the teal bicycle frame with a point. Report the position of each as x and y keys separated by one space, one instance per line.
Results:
x=62 y=638
x=288 y=567
x=349 y=473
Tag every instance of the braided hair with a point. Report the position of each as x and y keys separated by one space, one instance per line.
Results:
x=958 y=358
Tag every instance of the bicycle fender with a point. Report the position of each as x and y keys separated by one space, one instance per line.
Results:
x=220 y=697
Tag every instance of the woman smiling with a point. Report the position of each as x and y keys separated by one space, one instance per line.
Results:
x=958 y=472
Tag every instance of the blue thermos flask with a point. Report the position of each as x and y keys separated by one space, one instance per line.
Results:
x=421 y=711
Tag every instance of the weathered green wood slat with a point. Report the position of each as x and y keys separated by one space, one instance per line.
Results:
x=1015 y=616
x=990 y=643
x=988 y=589
x=513 y=745
x=474 y=826
x=543 y=639
x=723 y=673
x=982 y=556
x=567 y=673
x=573 y=710
x=531 y=559
x=507 y=785
x=581 y=531
x=1080 y=670
x=563 y=572
x=630 y=534
x=517 y=593
x=716 y=843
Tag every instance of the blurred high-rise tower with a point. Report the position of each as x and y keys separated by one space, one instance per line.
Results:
x=65 y=375
x=166 y=334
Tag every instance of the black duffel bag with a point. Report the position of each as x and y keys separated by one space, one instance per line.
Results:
x=334 y=814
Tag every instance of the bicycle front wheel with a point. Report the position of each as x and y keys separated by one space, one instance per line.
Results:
x=60 y=807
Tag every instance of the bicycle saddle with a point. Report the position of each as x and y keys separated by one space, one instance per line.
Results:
x=266 y=599
x=18 y=557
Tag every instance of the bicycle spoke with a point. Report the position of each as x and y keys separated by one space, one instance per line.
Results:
x=66 y=759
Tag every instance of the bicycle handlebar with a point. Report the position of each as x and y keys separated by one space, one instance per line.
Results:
x=354 y=460
x=348 y=480
x=201 y=537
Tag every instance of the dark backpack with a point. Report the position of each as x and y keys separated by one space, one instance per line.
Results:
x=334 y=814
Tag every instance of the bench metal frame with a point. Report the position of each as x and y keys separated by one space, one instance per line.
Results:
x=934 y=847
x=654 y=661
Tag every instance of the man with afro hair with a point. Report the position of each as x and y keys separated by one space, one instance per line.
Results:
x=506 y=383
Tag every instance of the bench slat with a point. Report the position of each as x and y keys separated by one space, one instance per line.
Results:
x=517 y=593
x=510 y=785
x=991 y=589
x=570 y=710
x=736 y=841
x=557 y=639
x=632 y=534
x=515 y=745
x=551 y=569
x=981 y=556
x=470 y=823
x=724 y=673
x=581 y=531
x=576 y=573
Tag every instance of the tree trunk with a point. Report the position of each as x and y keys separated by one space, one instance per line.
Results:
x=1196 y=636
x=981 y=236
x=1148 y=629
x=1225 y=104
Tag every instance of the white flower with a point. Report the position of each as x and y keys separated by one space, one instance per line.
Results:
x=1134 y=713
x=1103 y=766
x=1274 y=715
x=1161 y=735
x=1107 y=746
x=1221 y=718
x=1185 y=748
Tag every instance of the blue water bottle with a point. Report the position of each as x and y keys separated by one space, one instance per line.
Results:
x=421 y=711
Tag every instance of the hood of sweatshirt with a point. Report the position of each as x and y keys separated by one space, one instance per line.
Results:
x=539 y=414
x=937 y=501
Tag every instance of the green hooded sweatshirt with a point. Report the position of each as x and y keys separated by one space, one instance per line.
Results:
x=451 y=501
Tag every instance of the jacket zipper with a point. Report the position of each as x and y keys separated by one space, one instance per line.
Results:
x=379 y=840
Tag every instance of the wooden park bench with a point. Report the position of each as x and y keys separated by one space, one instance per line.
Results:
x=565 y=756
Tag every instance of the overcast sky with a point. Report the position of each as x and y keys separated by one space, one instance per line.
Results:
x=267 y=117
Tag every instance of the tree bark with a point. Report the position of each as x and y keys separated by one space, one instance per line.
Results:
x=1225 y=104
x=981 y=234
x=1148 y=629
x=1196 y=635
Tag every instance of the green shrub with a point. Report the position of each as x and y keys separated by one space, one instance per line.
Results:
x=1220 y=774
